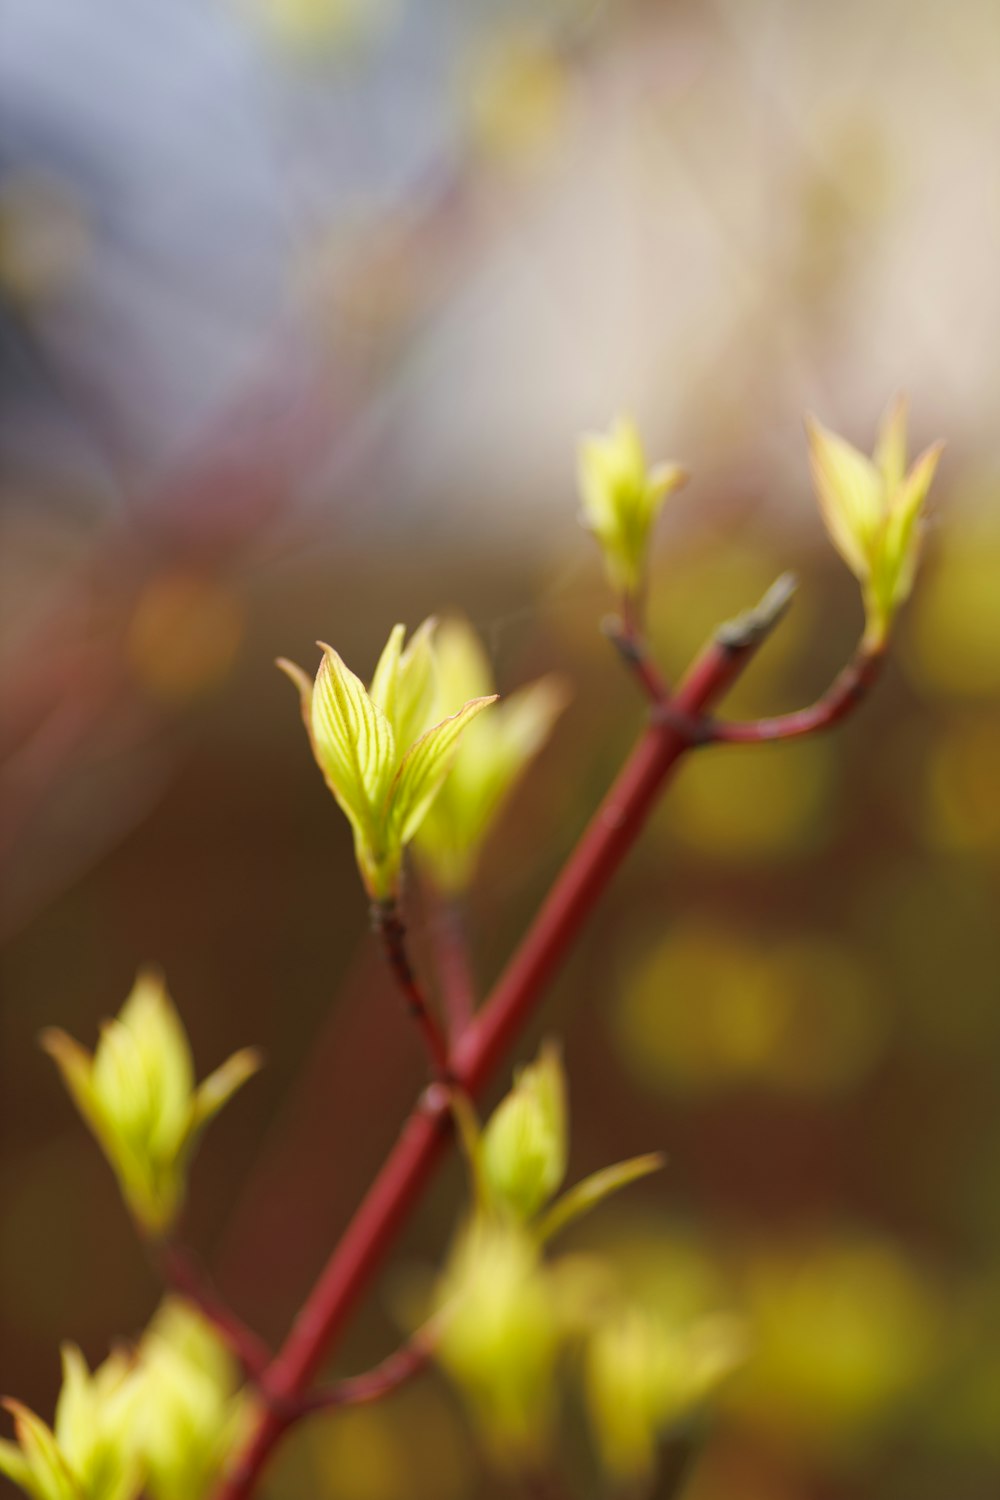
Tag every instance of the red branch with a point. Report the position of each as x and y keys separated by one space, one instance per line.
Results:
x=847 y=691
x=183 y=1275
x=389 y=925
x=626 y=636
x=401 y=1181
x=384 y=1378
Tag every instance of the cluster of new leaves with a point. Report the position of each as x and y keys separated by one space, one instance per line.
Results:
x=508 y=1316
x=409 y=758
x=138 y=1096
x=381 y=752
x=158 y=1421
x=493 y=752
x=621 y=498
x=872 y=508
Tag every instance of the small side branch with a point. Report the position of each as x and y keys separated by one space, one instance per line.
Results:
x=389 y=925
x=400 y=1367
x=847 y=692
x=183 y=1275
x=633 y=648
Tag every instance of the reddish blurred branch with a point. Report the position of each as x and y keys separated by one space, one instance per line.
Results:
x=388 y=923
x=846 y=693
x=183 y=1275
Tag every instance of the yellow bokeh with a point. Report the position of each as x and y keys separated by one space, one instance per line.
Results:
x=962 y=788
x=516 y=94
x=709 y=1009
x=411 y=1446
x=45 y=238
x=184 y=634
x=304 y=27
x=843 y=1331
x=755 y=802
x=953 y=642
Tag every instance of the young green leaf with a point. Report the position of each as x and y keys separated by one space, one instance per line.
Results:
x=494 y=752
x=424 y=767
x=871 y=508
x=621 y=498
x=353 y=741
x=524 y=1146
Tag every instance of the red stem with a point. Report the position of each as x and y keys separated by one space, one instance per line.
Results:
x=385 y=1208
x=627 y=637
x=184 y=1276
x=384 y=1378
x=389 y=925
x=848 y=690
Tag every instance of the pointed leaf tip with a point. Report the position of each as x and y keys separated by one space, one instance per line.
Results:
x=424 y=767
x=586 y=1195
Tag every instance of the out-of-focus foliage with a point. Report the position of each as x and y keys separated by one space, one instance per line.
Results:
x=160 y=1422
x=621 y=497
x=523 y=1152
x=92 y=1452
x=507 y=1318
x=192 y=1413
x=137 y=1095
x=493 y=753
x=644 y=1377
x=872 y=510
x=500 y=1336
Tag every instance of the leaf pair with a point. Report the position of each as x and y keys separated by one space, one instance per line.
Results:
x=494 y=752
x=519 y=1159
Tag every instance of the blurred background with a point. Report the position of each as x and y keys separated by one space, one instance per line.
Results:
x=303 y=304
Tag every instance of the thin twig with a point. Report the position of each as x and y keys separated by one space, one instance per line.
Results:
x=849 y=689
x=401 y=1366
x=633 y=648
x=184 y=1275
x=390 y=927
